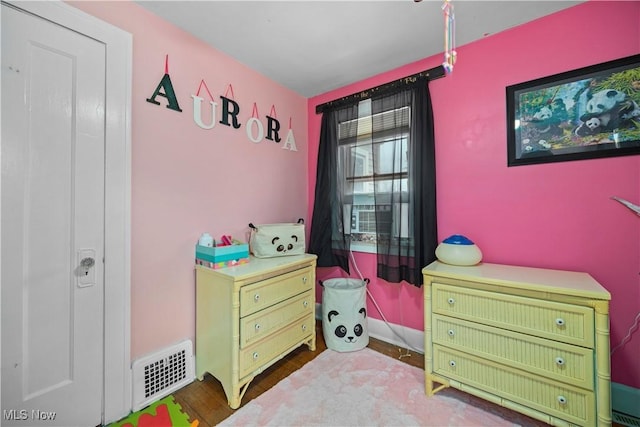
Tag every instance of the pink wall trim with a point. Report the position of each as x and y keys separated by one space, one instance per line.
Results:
x=556 y=215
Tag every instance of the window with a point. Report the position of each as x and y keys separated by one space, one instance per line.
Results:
x=375 y=186
x=373 y=162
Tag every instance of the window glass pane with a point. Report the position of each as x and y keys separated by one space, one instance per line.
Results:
x=392 y=156
x=358 y=167
x=364 y=108
x=387 y=122
x=362 y=161
x=387 y=185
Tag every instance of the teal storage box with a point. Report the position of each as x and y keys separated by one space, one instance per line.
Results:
x=222 y=253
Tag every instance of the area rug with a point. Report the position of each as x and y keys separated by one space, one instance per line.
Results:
x=367 y=388
x=162 y=413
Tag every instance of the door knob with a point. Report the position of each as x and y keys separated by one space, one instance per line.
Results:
x=86 y=271
x=87 y=263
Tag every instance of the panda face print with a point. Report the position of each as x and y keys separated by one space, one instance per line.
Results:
x=604 y=100
x=593 y=123
x=284 y=247
x=543 y=114
x=347 y=333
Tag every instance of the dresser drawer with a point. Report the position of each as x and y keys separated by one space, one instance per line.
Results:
x=568 y=323
x=267 y=292
x=259 y=354
x=554 y=360
x=563 y=401
x=260 y=324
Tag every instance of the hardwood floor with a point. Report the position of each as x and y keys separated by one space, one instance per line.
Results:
x=205 y=400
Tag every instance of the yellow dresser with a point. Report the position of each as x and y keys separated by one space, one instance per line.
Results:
x=529 y=339
x=252 y=315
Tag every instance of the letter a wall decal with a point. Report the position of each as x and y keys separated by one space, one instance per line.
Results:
x=169 y=94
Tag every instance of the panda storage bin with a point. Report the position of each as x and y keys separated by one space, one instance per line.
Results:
x=344 y=314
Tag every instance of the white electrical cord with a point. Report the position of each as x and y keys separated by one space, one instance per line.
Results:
x=629 y=332
x=355 y=266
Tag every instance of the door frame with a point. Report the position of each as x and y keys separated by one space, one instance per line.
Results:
x=117 y=250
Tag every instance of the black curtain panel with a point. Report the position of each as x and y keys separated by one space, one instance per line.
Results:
x=406 y=187
x=423 y=180
x=329 y=235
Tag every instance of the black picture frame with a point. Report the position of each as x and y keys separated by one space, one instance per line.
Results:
x=587 y=113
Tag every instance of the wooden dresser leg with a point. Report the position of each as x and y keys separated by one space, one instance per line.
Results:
x=430 y=387
x=312 y=344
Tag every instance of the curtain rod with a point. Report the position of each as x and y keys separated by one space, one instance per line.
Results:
x=430 y=74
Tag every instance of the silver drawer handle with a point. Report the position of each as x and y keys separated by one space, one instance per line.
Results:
x=304 y=279
x=559 y=361
x=258 y=327
x=562 y=400
x=451 y=332
x=256 y=297
x=305 y=304
x=452 y=363
x=255 y=355
x=304 y=327
x=560 y=321
x=451 y=301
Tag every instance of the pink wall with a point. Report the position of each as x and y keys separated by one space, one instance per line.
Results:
x=550 y=215
x=186 y=180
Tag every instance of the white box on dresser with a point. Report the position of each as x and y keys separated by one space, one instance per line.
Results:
x=530 y=339
x=250 y=316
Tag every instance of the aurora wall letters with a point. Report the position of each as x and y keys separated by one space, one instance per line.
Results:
x=230 y=109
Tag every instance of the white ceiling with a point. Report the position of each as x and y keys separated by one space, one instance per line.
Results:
x=313 y=47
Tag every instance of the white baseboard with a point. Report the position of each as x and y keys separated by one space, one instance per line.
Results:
x=378 y=329
x=414 y=338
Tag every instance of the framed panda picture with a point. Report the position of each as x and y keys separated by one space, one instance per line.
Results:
x=587 y=113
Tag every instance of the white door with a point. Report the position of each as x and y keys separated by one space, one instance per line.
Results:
x=52 y=187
